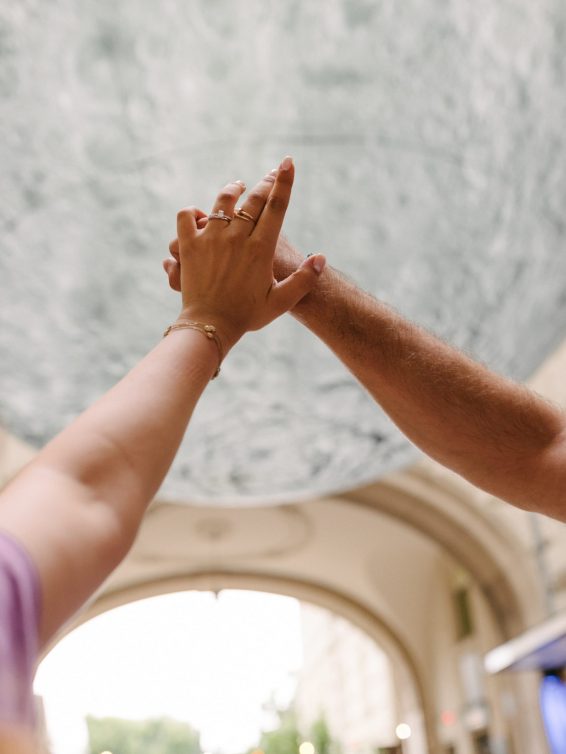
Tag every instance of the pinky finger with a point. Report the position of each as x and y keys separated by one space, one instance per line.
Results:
x=173 y=271
x=174 y=248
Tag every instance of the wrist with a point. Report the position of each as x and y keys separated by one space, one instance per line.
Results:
x=316 y=301
x=287 y=261
x=227 y=332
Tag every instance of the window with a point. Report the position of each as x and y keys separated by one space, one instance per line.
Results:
x=464 y=621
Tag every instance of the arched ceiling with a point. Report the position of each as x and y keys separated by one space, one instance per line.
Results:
x=431 y=158
x=369 y=557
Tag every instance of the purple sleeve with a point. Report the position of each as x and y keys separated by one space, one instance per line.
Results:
x=19 y=622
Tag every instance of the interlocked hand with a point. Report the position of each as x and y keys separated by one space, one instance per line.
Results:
x=223 y=262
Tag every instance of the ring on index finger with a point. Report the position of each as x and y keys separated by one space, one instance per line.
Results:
x=243 y=215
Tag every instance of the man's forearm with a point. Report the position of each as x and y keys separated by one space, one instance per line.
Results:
x=499 y=435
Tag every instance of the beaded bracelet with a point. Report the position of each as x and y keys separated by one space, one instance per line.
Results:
x=208 y=330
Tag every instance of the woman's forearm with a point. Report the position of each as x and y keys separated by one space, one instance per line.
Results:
x=123 y=445
x=76 y=508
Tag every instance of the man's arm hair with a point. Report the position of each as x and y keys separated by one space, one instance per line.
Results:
x=499 y=435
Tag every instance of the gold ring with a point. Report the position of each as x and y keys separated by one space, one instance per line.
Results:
x=243 y=215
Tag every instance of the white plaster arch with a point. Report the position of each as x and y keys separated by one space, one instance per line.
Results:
x=420 y=500
x=406 y=669
x=466 y=523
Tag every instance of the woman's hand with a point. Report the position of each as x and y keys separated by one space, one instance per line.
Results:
x=224 y=269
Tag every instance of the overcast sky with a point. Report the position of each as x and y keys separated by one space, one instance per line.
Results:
x=210 y=661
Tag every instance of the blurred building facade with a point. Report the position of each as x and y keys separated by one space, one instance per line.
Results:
x=347 y=680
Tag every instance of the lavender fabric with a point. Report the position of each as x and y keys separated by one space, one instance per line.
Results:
x=19 y=621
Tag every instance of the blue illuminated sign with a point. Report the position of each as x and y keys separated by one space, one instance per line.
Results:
x=553 y=705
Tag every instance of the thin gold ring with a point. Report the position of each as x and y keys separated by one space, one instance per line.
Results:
x=243 y=215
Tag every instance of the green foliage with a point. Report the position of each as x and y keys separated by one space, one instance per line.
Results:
x=162 y=736
x=283 y=740
x=321 y=738
x=287 y=737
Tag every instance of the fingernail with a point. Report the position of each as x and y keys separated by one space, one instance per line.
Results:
x=274 y=171
x=269 y=178
x=286 y=164
x=319 y=264
x=240 y=183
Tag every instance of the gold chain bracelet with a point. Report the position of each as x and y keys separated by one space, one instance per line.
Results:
x=208 y=330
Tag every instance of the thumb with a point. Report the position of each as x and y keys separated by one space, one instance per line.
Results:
x=290 y=291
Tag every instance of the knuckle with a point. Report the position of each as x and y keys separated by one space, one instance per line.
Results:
x=184 y=214
x=285 y=177
x=233 y=237
x=227 y=194
x=256 y=246
x=256 y=196
x=231 y=241
x=277 y=203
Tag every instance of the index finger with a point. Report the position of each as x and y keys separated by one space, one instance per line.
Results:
x=271 y=220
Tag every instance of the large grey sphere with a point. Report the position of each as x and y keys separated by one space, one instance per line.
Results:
x=430 y=143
